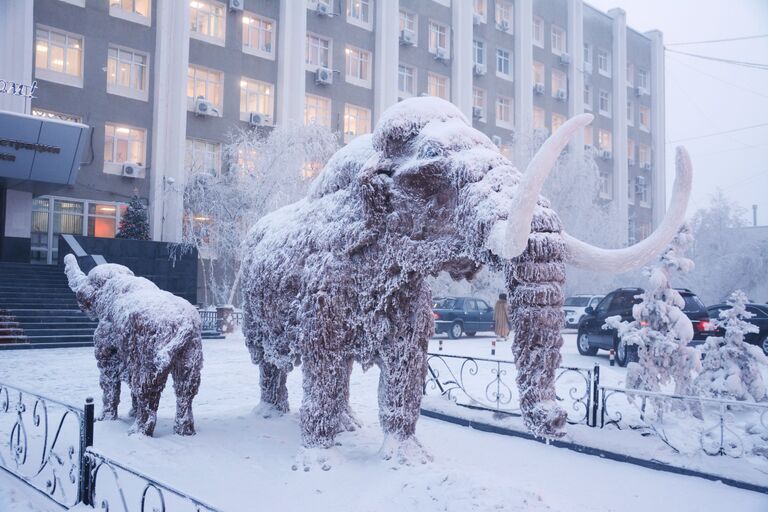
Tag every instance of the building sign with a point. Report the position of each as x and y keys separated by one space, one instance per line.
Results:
x=40 y=149
x=17 y=89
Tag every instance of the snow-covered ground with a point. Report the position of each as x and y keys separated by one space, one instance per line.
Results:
x=239 y=461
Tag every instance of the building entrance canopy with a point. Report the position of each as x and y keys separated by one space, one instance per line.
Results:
x=40 y=149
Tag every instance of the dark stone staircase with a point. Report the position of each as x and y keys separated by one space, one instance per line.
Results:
x=38 y=310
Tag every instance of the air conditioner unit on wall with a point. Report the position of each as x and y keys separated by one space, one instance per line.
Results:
x=639 y=92
x=407 y=37
x=479 y=69
x=646 y=166
x=565 y=59
x=236 y=5
x=133 y=170
x=605 y=154
x=538 y=89
x=561 y=95
x=504 y=26
x=496 y=140
x=323 y=76
x=477 y=19
x=258 y=119
x=441 y=54
x=203 y=107
x=323 y=9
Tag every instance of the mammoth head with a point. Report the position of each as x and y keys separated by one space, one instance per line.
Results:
x=88 y=288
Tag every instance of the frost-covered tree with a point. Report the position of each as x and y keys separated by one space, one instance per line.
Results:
x=134 y=225
x=661 y=331
x=264 y=170
x=731 y=366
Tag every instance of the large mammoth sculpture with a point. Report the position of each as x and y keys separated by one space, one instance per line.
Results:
x=341 y=275
x=144 y=334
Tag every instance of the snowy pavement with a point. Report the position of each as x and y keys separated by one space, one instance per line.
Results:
x=241 y=462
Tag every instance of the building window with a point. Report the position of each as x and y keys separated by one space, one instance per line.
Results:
x=504 y=15
x=127 y=73
x=559 y=85
x=630 y=75
x=643 y=80
x=358 y=66
x=559 y=43
x=606 y=185
x=318 y=52
x=123 y=144
x=207 y=21
x=409 y=21
x=630 y=113
x=644 y=156
x=630 y=190
x=357 y=121
x=203 y=156
x=478 y=52
x=539 y=119
x=504 y=63
x=605 y=141
x=256 y=97
x=204 y=83
x=478 y=103
x=103 y=218
x=538 y=73
x=587 y=97
x=258 y=36
x=438 y=86
x=131 y=10
x=642 y=190
x=604 y=103
x=557 y=121
x=438 y=39
x=630 y=152
x=317 y=110
x=604 y=62
x=644 y=116
x=504 y=111
x=589 y=137
x=480 y=10
x=59 y=56
x=538 y=32
x=359 y=12
x=587 y=58
x=406 y=80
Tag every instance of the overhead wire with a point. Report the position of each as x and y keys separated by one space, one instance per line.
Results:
x=724 y=132
x=746 y=64
x=727 y=40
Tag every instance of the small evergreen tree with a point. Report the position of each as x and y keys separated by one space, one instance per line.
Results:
x=135 y=224
x=731 y=367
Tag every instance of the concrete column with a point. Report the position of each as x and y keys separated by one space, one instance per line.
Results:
x=576 y=69
x=169 y=126
x=523 y=65
x=461 y=56
x=658 y=133
x=619 y=116
x=17 y=39
x=386 y=56
x=291 y=80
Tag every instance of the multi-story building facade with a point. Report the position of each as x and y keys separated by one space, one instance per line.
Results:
x=161 y=83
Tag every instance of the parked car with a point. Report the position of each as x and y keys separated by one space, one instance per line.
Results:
x=592 y=337
x=760 y=320
x=458 y=315
x=575 y=306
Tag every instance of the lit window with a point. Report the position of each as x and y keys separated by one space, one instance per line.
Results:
x=409 y=21
x=317 y=110
x=630 y=152
x=604 y=62
x=358 y=66
x=559 y=85
x=587 y=97
x=643 y=80
x=605 y=140
x=203 y=156
x=478 y=103
x=257 y=98
x=132 y=10
x=538 y=73
x=478 y=52
x=207 y=20
x=559 y=44
x=504 y=108
x=644 y=116
x=124 y=144
x=318 y=52
x=630 y=113
x=480 y=9
x=589 y=136
x=630 y=75
x=438 y=38
x=587 y=58
x=538 y=32
x=311 y=169
x=406 y=80
x=127 y=72
x=642 y=190
x=604 y=103
x=644 y=156
x=204 y=83
x=258 y=36
x=504 y=15
x=557 y=121
x=357 y=121
x=102 y=219
x=359 y=13
x=59 y=56
x=438 y=86
x=539 y=118
x=504 y=63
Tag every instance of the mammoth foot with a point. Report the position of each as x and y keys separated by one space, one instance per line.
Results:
x=142 y=429
x=316 y=457
x=269 y=410
x=184 y=428
x=406 y=451
x=348 y=422
x=107 y=415
x=546 y=419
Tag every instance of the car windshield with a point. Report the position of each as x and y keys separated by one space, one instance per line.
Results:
x=576 y=301
x=444 y=303
x=692 y=304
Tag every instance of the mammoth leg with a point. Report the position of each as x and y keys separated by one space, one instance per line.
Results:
x=535 y=281
x=185 y=370
x=325 y=379
x=274 y=393
x=147 y=381
x=111 y=367
x=347 y=420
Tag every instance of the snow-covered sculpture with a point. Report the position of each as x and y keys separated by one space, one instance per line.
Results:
x=731 y=366
x=144 y=334
x=341 y=275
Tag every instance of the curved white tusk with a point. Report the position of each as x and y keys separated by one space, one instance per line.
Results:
x=518 y=227
x=583 y=255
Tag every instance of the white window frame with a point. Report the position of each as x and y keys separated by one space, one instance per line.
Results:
x=630 y=113
x=310 y=45
x=631 y=148
x=356 y=61
x=351 y=111
x=480 y=9
x=643 y=80
x=501 y=107
x=113 y=167
x=562 y=78
x=61 y=77
x=205 y=148
x=630 y=75
x=252 y=87
x=558 y=40
x=604 y=55
x=208 y=82
x=510 y=63
x=539 y=67
x=403 y=70
x=318 y=109
x=358 y=21
x=588 y=58
x=605 y=140
x=505 y=11
x=129 y=92
x=480 y=100
x=211 y=4
x=537 y=32
x=434 y=42
x=436 y=81
x=478 y=48
x=116 y=11
x=263 y=26
x=642 y=191
x=588 y=97
x=409 y=20
x=643 y=155
x=607 y=95
x=645 y=125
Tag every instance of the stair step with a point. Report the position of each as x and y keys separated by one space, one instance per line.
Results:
x=12 y=339
x=16 y=303
x=59 y=325
x=62 y=337
x=43 y=307
x=22 y=314
x=28 y=346
x=32 y=333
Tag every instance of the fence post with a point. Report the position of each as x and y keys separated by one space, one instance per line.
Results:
x=595 y=392
x=86 y=441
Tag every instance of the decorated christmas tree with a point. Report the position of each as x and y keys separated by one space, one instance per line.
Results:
x=135 y=224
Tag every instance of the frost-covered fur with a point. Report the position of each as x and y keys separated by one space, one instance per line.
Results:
x=342 y=274
x=731 y=367
x=144 y=334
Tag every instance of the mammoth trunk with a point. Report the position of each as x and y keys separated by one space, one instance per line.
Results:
x=535 y=281
x=75 y=276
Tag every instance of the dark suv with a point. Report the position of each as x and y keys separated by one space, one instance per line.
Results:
x=592 y=337
x=760 y=320
x=457 y=315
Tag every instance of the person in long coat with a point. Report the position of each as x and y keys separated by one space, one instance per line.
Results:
x=500 y=318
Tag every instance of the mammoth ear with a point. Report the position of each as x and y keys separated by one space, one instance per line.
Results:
x=375 y=186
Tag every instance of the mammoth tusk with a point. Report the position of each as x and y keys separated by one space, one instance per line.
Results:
x=75 y=276
x=583 y=255
x=515 y=235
